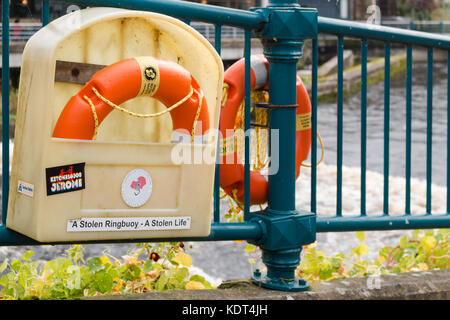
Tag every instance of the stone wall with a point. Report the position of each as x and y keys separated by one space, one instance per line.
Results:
x=427 y=285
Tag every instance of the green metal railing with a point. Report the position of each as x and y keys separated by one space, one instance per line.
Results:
x=385 y=221
x=434 y=26
x=281 y=230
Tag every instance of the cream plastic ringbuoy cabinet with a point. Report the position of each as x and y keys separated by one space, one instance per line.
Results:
x=79 y=189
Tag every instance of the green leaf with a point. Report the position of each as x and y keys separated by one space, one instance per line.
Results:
x=95 y=264
x=16 y=265
x=403 y=241
x=148 y=266
x=103 y=282
x=136 y=271
x=113 y=273
x=385 y=252
x=161 y=283
x=421 y=258
x=250 y=248
x=4 y=280
x=326 y=269
x=59 y=265
x=340 y=256
x=27 y=255
x=362 y=249
x=74 y=281
x=4 y=265
x=183 y=259
x=336 y=263
x=202 y=280
x=361 y=235
x=181 y=275
x=428 y=242
x=75 y=253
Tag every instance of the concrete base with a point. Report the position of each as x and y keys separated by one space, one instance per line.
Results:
x=432 y=285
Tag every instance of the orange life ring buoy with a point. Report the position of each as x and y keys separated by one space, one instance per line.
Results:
x=232 y=174
x=161 y=79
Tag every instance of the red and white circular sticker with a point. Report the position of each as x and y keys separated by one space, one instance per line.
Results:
x=137 y=188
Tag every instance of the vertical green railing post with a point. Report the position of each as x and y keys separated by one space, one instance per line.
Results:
x=340 y=123
x=429 y=126
x=408 y=130
x=387 y=106
x=45 y=12
x=448 y=132
x=218 y=47
x=287 y=229
x=247 y=96
x=363 y=124
x=314 y=77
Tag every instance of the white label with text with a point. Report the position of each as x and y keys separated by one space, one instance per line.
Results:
x=25 y=188
x=129 y=224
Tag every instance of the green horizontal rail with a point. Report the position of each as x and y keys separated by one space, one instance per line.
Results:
x=383 y=222
x=185 y=10
x=376 y=32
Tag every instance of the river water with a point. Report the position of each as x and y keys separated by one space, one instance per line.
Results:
x=227 y=260
x=327 y=117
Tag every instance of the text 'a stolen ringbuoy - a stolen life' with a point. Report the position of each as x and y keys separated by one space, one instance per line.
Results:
x=129 y=224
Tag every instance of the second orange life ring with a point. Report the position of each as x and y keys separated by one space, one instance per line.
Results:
x=232 y=174
x=161 y=79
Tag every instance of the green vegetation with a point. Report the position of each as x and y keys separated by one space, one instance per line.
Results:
x=424 y=250
x=165 y=266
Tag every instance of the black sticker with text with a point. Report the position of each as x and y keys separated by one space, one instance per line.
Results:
x=65 y=178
